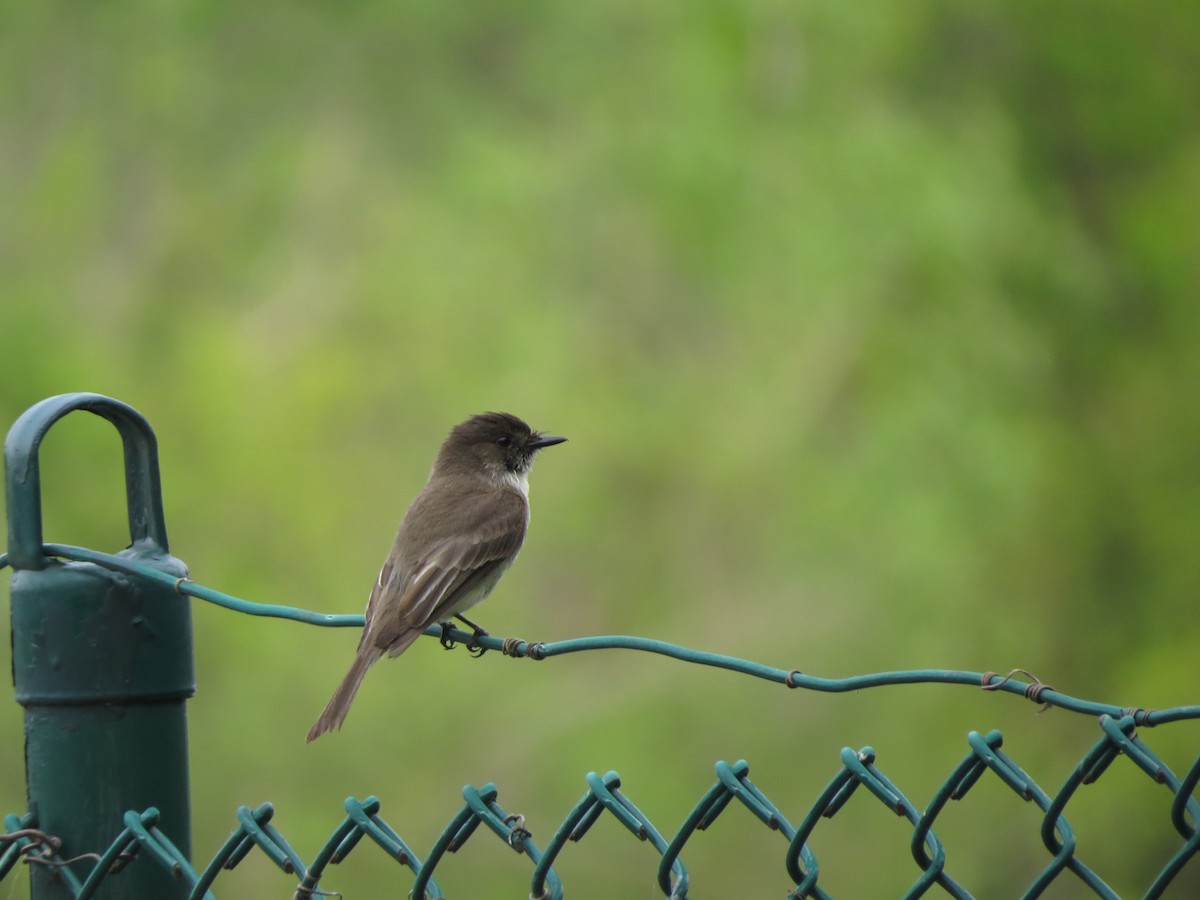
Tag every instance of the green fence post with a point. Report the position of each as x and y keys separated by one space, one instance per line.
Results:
x=102 y=666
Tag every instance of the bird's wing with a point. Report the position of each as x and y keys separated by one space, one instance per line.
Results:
x=382 y=588
x=430 y=590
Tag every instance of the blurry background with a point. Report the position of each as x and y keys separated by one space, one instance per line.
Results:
x=874 y=336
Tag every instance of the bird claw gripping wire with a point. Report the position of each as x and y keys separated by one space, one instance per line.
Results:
x=473 y=645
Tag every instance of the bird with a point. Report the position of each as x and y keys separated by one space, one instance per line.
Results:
x=460 y=534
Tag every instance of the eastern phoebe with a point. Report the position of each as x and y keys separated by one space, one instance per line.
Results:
x=461 y=533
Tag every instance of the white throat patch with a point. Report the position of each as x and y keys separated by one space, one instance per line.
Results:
x=518 y=481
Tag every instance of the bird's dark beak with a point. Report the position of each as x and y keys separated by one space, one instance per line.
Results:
x=545 y=440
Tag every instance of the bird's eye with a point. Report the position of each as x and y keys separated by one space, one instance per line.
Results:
x=503 y=440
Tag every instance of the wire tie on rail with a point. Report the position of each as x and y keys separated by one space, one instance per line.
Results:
x=36 y=839
x=302 y=891
x=1141 y=717
x=58 y=863
x=790 y=678
x=518 y=831
x=1033 y=691
x=179 y=584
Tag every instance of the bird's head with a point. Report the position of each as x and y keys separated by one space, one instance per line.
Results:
x=497 y=443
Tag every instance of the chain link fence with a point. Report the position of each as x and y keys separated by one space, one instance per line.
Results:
x=141 y=842
x=134 y=655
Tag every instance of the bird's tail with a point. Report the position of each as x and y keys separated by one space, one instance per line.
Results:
x=339 y=704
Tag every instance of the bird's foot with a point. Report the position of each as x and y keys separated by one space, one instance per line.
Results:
x=473 y=645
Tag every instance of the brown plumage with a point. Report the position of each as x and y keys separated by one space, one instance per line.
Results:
x=462 y=531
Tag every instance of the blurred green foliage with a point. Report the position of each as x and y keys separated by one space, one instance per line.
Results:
x=874 y=332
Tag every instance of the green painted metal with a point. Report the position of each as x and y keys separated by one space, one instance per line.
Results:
x=798 y=866
x=856 y=769
x=538 y=650
x=102 y=664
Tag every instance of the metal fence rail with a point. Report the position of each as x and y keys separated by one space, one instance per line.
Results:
x=102 y=664
x=143 y=843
